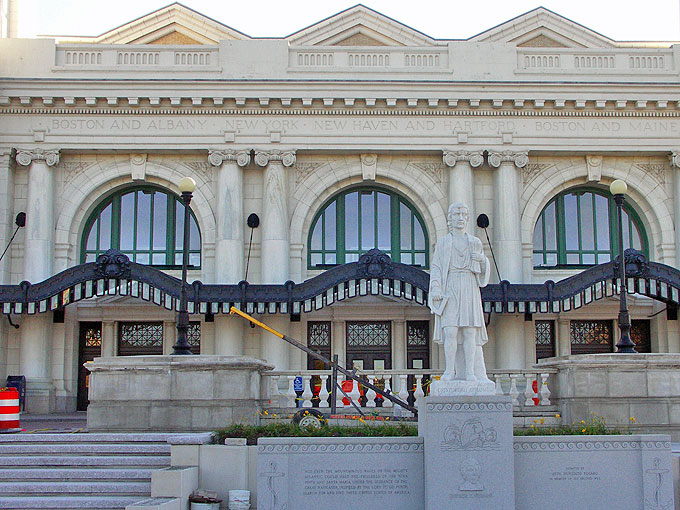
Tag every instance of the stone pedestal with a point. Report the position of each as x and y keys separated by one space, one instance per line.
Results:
x=457 y=388
x=173 y=393
x=469 y=460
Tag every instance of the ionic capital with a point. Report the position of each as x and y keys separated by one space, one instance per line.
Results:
x=475 y=159
x=216 y=158
x=519 y=159
x=262 y=158
x=26 y=156
x=675 y=159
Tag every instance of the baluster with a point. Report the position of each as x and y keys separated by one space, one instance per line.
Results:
x=499 y=387
x=529 y=390
x=274 y=392
x=290 y=393
x=388 y=388
x=403 y=396
x=354 y=394
x=418 y=390
x=370 y=393
x=307 y=393
x=545 y=391
x=323 y=392
x=338 y=394
x=514 y=393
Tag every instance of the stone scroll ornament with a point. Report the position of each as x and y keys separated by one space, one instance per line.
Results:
x=216 y=158
x=26 y=156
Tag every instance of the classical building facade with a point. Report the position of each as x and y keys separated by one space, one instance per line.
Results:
x=352 y=134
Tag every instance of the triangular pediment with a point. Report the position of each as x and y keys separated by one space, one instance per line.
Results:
x=359 y=26
x=544 y=28
x=173 y=24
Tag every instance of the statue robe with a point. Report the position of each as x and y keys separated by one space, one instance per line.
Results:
x=457 y=278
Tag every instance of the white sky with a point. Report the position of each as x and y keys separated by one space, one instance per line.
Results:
x=652 y=20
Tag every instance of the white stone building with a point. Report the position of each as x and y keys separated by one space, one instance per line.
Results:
x=353 y=133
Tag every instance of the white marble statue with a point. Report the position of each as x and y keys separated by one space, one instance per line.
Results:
x=458 y=269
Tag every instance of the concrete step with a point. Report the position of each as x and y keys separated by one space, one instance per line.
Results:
x=157 y=504
x=74 y=473
x=84 y=449
x=88 y=438
x=67 y=502
x=86 y=460
x=24 y=488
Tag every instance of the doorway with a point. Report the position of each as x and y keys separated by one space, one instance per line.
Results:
x=89 y=348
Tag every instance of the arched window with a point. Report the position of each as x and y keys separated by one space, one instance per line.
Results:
x=355 y=221
x=579 y=228
x=146 y=224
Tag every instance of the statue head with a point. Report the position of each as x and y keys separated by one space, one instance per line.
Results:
x=458 y=216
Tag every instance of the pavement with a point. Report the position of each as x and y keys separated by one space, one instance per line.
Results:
x=54 y=423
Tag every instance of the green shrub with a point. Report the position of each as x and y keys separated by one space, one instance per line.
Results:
x=595 y=426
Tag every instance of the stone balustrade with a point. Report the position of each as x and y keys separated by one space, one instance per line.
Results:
x=138 y=57
x=527 y=388
x=610 y=61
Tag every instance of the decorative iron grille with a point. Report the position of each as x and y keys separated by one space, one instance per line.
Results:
x=93 y=337
x=368 y=334
x=194 y=334
x=141 y=334
x=640 y=334
x=545 y=339
x=319 y=334
x=545 y=332
x=591 y=337
x=417 y=333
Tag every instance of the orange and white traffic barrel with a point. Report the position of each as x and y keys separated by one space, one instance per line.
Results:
x=9 y=410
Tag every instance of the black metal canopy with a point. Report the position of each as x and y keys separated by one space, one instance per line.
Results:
x=374 y=274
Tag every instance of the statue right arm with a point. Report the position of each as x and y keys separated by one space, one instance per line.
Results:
x=436 y=275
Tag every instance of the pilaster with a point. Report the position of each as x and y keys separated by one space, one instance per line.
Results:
x=39 y=237
x=6 y=211
x=507 y=223
x=229 y=215
x=675 y=165
x=461 y=182
x=108 y=339
x=275 y=258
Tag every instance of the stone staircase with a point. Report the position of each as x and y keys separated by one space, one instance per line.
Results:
x=79 y=471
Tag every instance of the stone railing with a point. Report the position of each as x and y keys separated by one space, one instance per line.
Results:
x=615 y=61
x=135 y=57
x=383 y=59
x=311 y=388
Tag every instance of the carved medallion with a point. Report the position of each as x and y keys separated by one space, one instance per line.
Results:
x=375 y=264
x=112 y=264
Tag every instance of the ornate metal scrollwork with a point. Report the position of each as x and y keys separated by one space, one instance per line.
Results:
x=112 y=264
x=375 y=264
x=636 y=263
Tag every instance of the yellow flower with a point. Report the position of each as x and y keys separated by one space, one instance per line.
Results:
x=535 y=421
x=531 y=426
x=583 y=422
x=583 y=430
x=265 y=412
x=274 y=415
x=542 y=421
x=557 y=415
x=387 y=418
x=632 y=420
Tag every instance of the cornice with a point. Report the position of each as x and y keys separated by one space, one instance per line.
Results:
x=358 y=111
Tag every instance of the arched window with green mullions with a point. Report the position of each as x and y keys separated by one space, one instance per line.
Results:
x=579 y=228
x=146 y=223
x=357 y=220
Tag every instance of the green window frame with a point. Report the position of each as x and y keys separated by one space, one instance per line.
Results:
x=146 y=223
x=360 y=219
x=578 y=228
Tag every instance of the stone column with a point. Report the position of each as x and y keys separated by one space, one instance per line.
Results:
x=675 y=165
x=507 y=240
x=506 y=222
x=108 y=339
x=338 y=340
x=7 y=214
x=461 y=182
x=275 y=247
x=36 y=331
x=563 y=338
x=229 y=265
x=399 y=358
x=169 y=336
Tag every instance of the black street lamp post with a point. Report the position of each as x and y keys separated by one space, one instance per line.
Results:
x=186 y=186
x=618 y=188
